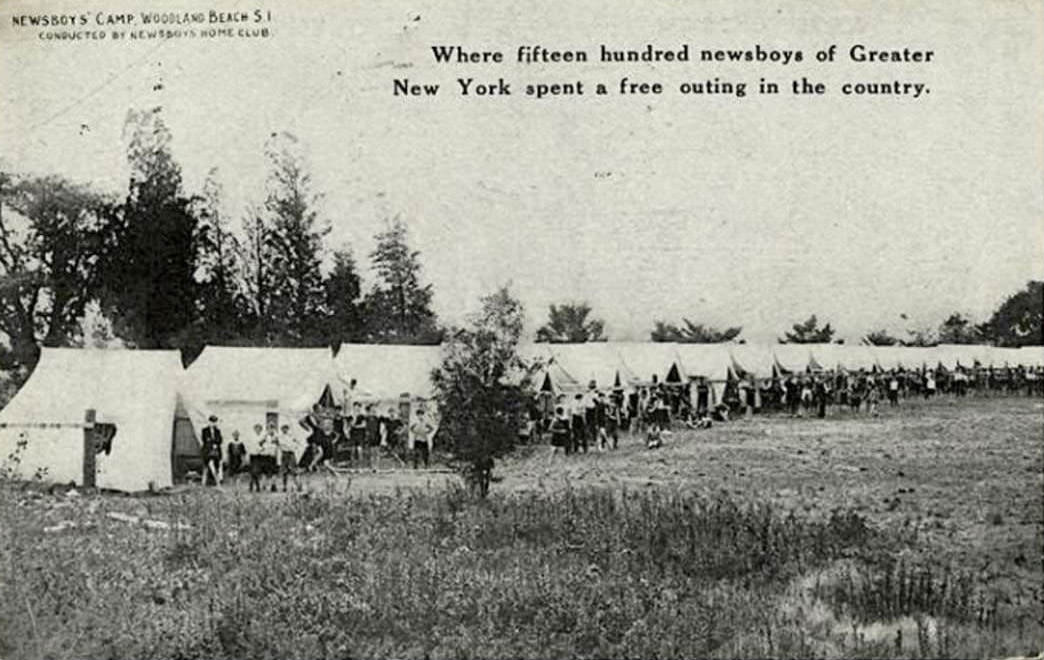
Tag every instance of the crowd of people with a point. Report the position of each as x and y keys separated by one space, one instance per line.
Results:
x=323 y=440
x=594 y=419
x=580 y=422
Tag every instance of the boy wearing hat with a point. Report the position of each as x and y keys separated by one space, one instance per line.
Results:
x=211 y=450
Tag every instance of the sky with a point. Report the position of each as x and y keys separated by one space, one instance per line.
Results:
x=753 y=211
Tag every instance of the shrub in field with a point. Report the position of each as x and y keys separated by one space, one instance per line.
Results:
x=480 y=387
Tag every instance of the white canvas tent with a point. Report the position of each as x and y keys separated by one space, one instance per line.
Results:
x=136 y=391
x=648 y=359
x=242 y=386
x=756 y=359
x=793 y=358
x=550 y=376
x=385 y=372
x=593 y=361
x=712 y=362
x=1032 y=356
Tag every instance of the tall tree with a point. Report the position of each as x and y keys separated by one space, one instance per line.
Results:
x=344 y=319
x=881 y=338
x=481 y=385
x=223 y=313
x=958 y=329
x=257 y=274
x=692 y=333
x=808 y=332
x=1019 y=321
x=149 y=278
x=295 y=241
x=52 y=236
x=569 y=323
x=398 y=307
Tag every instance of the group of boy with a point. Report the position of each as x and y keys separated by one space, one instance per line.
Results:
x=595 y=419
x=270 y=452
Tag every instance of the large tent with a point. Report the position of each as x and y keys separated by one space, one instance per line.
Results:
x=753 y=359
x=597 y=362
x=386 y=372
x=712 y=362
x=138 y=392
x=856 y=358
x=549 y=375
x=248 y=386
x=650 y=361
x=793 y=358
x=1032 y=356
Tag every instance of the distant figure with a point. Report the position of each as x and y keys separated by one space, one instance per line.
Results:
x=211 y=450
x=559 y=433
x=612 y=419
x=820 y=395
x=237 y=454
x=893 y=391
x=654 y=437
x=929 y=386
x=421 y=432
x=579 y=429
x=792 y=393
x=357 y=433
x=256 y=458
x=372 y=444
x=289 y=453
x=806 y=397
x=590 y=399
x=873 y=397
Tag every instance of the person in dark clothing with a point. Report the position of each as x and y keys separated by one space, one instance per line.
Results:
x=372 y=441
x=559 y=432
x=211 y=450
x=793 y=395
x=820 y=394
x=579 y=428
x=357 y=434
x=236 y=454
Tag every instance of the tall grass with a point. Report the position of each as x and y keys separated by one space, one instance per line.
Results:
x=435 y=574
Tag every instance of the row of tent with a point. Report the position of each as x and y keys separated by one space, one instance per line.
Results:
x=626 y=364
x=157 y=406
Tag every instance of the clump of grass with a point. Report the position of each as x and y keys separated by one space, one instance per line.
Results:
x=436 y=574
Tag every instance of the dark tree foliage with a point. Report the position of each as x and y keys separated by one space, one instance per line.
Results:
x=52 y=233
x=398 y=308
x=881 y=338
x=223 y=311
x=344 y=320
x=1019 y=321
x=808 y=332
x=692 y=333
x=958 y=329
x=481 y=386
x=295 y=242
x=258 y=276
x=569 y=323
x=149 y=276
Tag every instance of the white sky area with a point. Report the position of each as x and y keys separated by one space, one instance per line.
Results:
x=755 y=211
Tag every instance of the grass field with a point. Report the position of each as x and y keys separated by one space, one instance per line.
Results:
x=913 y=534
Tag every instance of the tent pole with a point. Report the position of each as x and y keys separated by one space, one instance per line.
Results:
x=90 y=456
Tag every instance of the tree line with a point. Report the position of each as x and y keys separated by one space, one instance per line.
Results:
x=170 y=269
x=1017 y=321
x=167 y=268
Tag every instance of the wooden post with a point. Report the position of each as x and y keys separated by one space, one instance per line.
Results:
x=90 y=455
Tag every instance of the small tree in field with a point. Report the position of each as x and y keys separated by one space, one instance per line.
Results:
x=481 y=386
